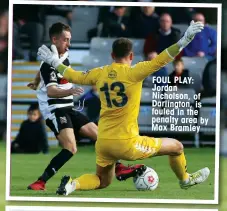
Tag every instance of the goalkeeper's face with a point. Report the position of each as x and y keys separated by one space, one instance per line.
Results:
x=62 y=42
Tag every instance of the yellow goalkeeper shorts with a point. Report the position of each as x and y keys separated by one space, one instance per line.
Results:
x=108 y=151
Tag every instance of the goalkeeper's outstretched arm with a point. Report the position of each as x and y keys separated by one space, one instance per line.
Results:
x=139 y=72
x=77 y=77
x=144 y=69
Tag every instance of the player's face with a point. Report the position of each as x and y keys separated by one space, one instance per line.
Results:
x=179 y=67
x=62 y=42
x=33 y=116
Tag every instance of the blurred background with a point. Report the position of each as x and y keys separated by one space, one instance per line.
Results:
x=93 y=31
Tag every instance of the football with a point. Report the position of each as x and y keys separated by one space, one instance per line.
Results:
x=149 y=180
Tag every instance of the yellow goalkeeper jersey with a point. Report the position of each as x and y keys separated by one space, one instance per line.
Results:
x=119 y=86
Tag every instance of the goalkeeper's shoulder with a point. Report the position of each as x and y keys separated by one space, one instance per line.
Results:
x=96 y=70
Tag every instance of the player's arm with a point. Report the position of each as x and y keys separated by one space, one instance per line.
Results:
x=51 y=81
x=86 y=78
x=55 y=92
x=35 y=83
x=143 y=69
x=77 y=77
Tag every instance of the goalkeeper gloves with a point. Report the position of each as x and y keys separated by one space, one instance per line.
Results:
x=51 y=57
x=192 y=30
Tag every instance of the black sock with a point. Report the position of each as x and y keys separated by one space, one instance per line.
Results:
x=118 y=162
x=55 y=164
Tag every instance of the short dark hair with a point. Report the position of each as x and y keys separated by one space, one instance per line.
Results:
x=33 y=107
x=122 y=47
x=58 y=28
x=178 y=61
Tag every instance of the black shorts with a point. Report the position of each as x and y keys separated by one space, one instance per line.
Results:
x=66 y=118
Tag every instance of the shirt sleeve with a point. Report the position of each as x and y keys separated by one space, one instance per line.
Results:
x=48 y=74
x=89 y=77
x=143 y=69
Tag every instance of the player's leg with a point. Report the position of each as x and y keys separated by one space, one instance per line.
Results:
x=67 y=140
x=123 y=172
x=105 y=174
x=177 y=160
x=89 y=130
x=105 y=168
x=83 y=127
x=65 y=134
x=102 y=179
x=175 y=150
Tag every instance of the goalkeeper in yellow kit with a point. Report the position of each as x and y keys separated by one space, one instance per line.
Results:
x=119 y=86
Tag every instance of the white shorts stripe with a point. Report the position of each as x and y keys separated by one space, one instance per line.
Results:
x=54 y=120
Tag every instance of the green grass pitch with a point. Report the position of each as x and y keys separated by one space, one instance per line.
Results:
x=26 y=168
x=2 y=174
x=223 y=186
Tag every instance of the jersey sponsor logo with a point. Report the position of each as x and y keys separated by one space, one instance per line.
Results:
x=63 y=120
x=112 y=74
x=53 y=76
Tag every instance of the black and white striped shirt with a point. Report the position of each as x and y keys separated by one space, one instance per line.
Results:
x=50 y=77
